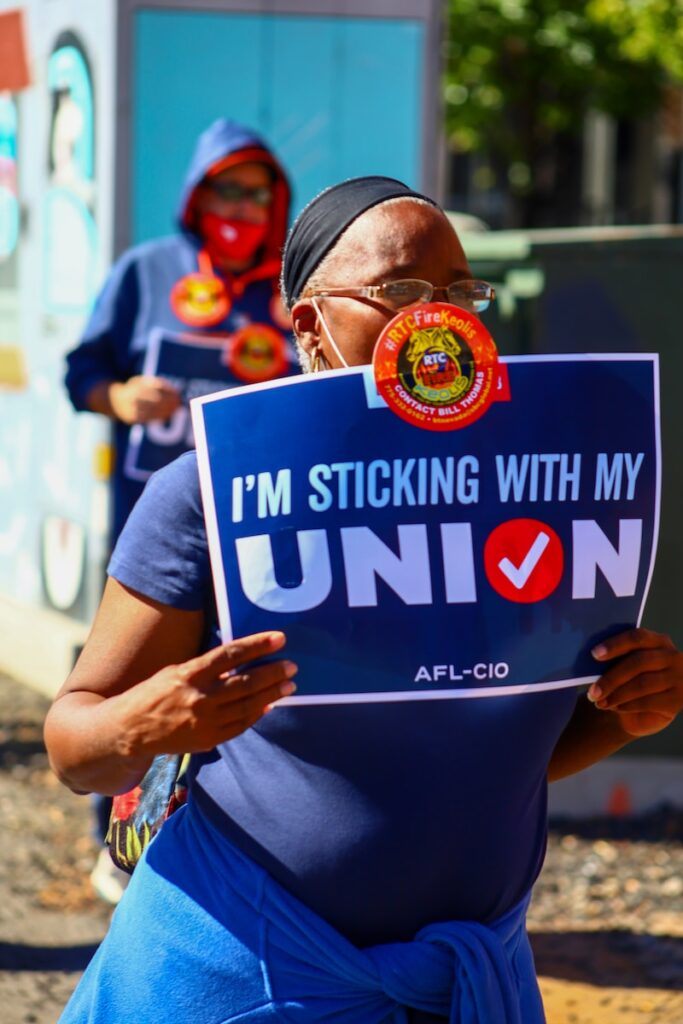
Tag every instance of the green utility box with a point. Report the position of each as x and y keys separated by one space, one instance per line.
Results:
x=604 y=290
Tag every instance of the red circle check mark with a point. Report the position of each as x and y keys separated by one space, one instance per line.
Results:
x=523 y=560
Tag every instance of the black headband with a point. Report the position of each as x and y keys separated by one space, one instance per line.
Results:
x=323 y=221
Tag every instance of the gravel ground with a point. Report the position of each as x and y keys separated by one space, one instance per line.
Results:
x=606 y=918
x=607 y=921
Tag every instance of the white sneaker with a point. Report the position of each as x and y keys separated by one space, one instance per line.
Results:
x=108 y=881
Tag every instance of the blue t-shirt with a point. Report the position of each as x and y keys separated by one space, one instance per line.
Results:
x=382 y=818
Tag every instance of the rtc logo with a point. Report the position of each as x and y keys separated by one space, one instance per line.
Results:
x=523 y=560
x=436 y=366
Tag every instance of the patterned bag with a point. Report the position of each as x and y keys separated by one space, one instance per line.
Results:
x=137 y=816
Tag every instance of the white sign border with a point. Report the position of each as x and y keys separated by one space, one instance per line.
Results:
x=150 y=367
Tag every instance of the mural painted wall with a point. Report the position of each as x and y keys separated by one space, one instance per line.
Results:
x=53 y=462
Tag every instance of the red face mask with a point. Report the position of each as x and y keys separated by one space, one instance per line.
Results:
x=231 y=239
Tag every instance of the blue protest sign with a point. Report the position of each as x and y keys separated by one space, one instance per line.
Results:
x=195 y=365
x=405 y=564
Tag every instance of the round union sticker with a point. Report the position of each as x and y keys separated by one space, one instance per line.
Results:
x=200 y=300
x=436 y=366
x=257 y=352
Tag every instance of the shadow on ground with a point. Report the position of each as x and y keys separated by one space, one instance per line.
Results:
x=20 y=741
x=15 y=956
x=663 y=824
x=608 y=957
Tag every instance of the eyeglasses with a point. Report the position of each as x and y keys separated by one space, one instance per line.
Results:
x=231 y=192
x=475 y=296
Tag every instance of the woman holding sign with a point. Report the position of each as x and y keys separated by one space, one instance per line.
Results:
x=366 y=862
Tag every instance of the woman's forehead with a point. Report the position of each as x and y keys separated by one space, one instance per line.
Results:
x=398 y=234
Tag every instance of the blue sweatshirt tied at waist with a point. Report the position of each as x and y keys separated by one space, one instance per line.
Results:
x=204 y=934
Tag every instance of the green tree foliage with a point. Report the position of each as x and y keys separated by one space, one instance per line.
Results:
x=520 y=73
x=648 y=31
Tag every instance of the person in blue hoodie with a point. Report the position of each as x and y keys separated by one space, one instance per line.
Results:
x=217 y=278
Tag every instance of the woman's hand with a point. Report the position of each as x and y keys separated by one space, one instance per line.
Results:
x=139 y=689
x=142 y=399
x=205 y=701
x=645 y=687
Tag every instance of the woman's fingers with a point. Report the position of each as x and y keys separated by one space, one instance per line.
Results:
x=248 y=696
x=204 y=701
x=235 y=716
x=232 y=702
x=150 y=398
x=650 y=688
x=158 y=386
x=648 y=678
x=244 y=698
x=273 y=678
x=631 y=640
x=205 y=670
x=635 y=664
x=647 y=705
x=640 y=650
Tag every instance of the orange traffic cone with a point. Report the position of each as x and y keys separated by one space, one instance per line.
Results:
x=619 y=804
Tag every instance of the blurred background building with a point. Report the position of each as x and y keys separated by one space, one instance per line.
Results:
x=565 y=114
x=553 y=132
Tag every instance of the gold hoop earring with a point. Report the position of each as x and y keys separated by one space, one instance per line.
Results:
x=315 y=360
